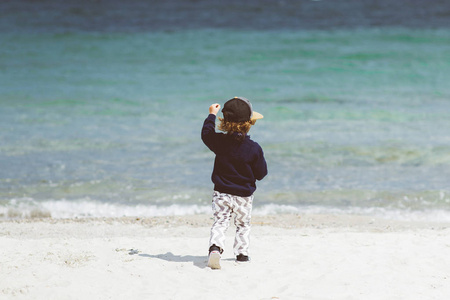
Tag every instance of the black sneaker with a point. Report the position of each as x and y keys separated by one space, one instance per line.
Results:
x=214 y=257
x=214 y=260
x=242 y=258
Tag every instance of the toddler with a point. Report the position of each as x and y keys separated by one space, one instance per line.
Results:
x=239 y=162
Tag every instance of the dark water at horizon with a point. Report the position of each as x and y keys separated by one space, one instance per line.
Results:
x=144 y=16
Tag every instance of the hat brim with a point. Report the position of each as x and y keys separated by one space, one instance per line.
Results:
x=256 y=116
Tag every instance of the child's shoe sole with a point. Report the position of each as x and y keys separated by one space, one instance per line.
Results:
x=214 y=260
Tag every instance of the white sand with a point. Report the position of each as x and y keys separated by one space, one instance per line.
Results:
x=293 y=257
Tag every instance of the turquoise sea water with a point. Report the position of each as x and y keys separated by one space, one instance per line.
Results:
x=107 y=122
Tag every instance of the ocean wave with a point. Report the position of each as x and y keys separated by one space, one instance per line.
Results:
x=86 y=208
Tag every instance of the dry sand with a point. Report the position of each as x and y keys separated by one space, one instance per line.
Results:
x=293 y=257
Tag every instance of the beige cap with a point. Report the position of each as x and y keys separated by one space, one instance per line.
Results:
x=235 y=110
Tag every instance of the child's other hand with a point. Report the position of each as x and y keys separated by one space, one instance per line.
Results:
x=214 y=109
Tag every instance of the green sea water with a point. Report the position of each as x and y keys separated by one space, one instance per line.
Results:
x=356 y=120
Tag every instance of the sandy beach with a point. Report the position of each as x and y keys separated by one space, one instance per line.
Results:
x=293 y=257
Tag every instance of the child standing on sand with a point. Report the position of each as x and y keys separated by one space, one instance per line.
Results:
x=238 y=164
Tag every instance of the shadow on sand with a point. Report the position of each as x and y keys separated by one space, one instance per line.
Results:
x=198 y=261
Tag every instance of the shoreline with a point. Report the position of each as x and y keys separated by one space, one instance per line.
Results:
x=317 y=221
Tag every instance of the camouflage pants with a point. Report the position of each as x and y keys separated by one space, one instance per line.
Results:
x=224 y=205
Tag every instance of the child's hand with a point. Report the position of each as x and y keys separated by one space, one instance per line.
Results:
x=214 y=109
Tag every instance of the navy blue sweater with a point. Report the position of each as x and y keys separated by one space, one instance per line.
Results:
x=237 y=165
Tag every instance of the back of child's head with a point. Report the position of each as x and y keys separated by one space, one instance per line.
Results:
x=237 y=118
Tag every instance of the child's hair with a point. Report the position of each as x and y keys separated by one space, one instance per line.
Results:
x=241 y=128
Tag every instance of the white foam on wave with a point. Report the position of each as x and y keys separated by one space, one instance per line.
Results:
x=88 y=208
